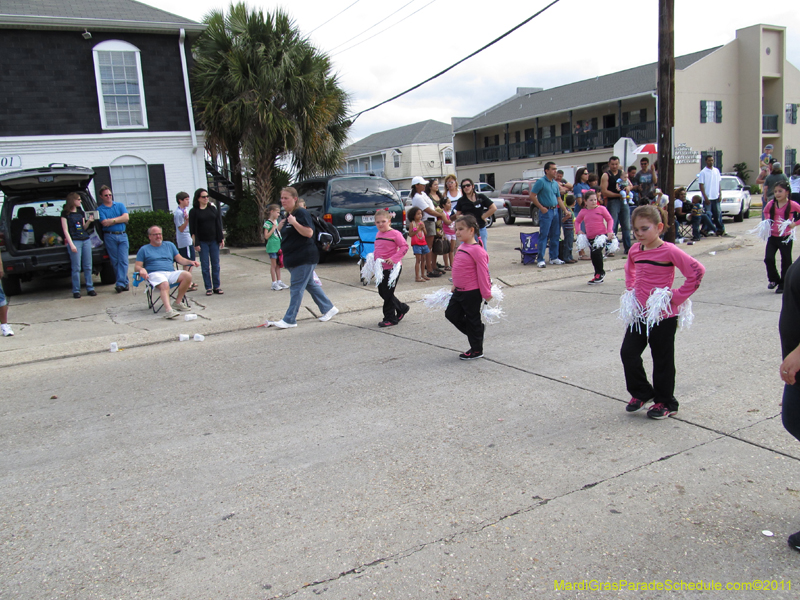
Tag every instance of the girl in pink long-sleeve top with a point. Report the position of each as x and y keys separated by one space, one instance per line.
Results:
x=598 y=222
x=779 y=210
x=651 y=268
x=391 y=247
x=471 y=285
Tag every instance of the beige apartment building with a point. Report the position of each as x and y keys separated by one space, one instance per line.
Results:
x=424 y=148
x=731 y=101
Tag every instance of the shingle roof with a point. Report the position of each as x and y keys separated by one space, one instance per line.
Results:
x=424 y=132
x=633 y=82
x=104 y=14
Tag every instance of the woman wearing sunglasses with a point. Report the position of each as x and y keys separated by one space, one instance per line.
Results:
x=477 y=205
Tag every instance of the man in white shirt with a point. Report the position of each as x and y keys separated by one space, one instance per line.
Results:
x=710 y=180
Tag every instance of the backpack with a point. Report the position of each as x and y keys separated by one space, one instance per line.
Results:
x=326 y=236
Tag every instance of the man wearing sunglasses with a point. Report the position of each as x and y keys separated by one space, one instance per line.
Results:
x=113 y=218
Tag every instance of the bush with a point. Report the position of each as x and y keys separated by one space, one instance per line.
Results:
x=140 y=220
x=242 y=226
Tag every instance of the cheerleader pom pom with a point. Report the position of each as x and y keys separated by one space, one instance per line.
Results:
x=790 y=237
x=630 y=310
x=370 y=268
x=784 y=225
x=437 y=300
x=600 y=242
x=394 y=275
x=497 y=293
x=657 y=304
x=763 y=229
x=685 y=315
x=583 y=242
x=492 y=314
x=614 y=245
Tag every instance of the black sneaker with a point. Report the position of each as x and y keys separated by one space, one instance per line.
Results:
x=386 y=323
x=402 y=314
x=779 y=289
x=635 y=404
x=772 y=285
x=76 y=295
x=470 y=355
x=661 y=411
x=597 y=279
x=92 y=293
x=794 y=541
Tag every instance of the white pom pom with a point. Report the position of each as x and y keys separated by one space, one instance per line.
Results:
x=599 y=242
x=783 y=224
x=763 y=229
x=368 y=268
x=492 y=314
x=583 y=242
x=614 y=245
x=685 y=315
x=377 y=271
x=497 y=293
x=394 y=275
x=630 y=310
x=790 y=237
x=657 y=304
x=437 y=300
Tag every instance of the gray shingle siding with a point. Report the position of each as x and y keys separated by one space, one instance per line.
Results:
x=424 y=132
x=126 y=10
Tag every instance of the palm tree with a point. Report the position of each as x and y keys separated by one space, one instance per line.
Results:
x=275 y=92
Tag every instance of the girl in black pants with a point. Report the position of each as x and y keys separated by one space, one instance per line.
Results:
x=778 y=210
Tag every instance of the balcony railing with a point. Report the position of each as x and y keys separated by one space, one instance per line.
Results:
x=641 y=133
x=769 y=123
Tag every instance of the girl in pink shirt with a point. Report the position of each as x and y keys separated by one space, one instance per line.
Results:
x=471 y=284
x=449 y=233
x=778 y=210
x=598 y=222
x=651 y=265
x=390 y=246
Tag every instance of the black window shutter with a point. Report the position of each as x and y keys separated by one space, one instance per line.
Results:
x=718 y=104
x=594 y=122
x=625 y=118
x=486 y=141
x=643 y=115
x=718 y=159
x=102 y=176
x=552 y=131
x=703 y=114
x=158 y=187
x=703 y=155
x=794 y=114
x=790 y=160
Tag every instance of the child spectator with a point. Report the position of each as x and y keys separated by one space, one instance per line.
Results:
x=4 y=326
x=701 y=222
x=390 y=246
x=448 y=232
x=273 y=239
x=471 y=283
x=417 y=231
x=624 y=187
x=651 y=265
x=779 y=210
x=568 y=224
x=598 y=222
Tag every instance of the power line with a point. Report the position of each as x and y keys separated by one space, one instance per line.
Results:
x=454 y=65
x=371 y=26
x=386 y=29
x=333 y=17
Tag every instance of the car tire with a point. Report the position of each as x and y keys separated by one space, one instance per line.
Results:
x=746 y=213
x=12 y=285
x=740 y=217
x=107 y=274
x=535 y=216
x=508 y=219
x=489 y=221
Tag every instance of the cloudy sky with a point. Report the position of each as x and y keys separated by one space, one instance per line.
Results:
x=572 y=40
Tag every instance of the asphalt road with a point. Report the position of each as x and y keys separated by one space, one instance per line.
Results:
x=347 y=461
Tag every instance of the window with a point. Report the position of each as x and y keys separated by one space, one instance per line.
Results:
x=791 y=114
x=448 y=156
x=131 y=185
x=120 y=93
x=710 y=111
x=635 y=116
x=396 y=159
x=790 y=161
x=717 y=154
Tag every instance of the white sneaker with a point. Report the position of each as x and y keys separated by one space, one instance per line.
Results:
x=329 y=315
x=180 y=307
x=171 y=314
x=6 y=330
x=541 y=264
x=283 y=285
x=557 y=261
x=281 y=324
x=276 y=287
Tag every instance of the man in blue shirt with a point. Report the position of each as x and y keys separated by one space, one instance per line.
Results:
x=546 y=196
x=154 y=264
x=113 y=218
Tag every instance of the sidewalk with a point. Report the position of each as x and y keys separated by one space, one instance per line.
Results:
x=48 y=323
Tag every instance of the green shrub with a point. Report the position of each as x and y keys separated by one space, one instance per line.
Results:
x=242 y=227
x=140 y=220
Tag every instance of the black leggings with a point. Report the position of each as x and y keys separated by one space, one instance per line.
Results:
x=775 y=244
x=662 y=349
x=597 y=257
x=392 y=307
x=790 y=412
x=464 y=311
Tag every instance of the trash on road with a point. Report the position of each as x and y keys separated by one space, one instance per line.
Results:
x=198 y=337
x=114 y=347
x=183 y=337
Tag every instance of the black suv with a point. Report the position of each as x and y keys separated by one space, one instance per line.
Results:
x=31 y=237
x=347 y=201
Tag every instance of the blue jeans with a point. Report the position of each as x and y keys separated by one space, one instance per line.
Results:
x=117 y=247
x=569 y=240
x=484 y=236
x=621 y=214
x=549 y=231
x=716 y=216
x=81 y=261
x=209 y=253
x=302 y=281
x=698 y=221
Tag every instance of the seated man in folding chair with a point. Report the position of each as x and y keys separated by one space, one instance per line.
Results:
x=154 y=264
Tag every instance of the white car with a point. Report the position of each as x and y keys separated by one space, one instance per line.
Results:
x=486 y=190
x=500 y=213
x=735 y=197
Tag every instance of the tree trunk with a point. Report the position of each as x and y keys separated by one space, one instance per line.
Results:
x=264 y=185
x=234 y=156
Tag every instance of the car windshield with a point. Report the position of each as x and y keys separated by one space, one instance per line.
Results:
x=362 y=193
x=43 y=208
x=694 y=186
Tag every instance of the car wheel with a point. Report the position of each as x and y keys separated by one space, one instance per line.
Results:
x=12 y=285
x=508 y=219
x=746 y=213
x=489 y=221
x=535 y=216
x=107 y=274
x=739 y=217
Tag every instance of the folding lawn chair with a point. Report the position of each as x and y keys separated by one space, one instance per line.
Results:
x=529 y=249
x=364 y=246
x=684 y=228
x=154 y=297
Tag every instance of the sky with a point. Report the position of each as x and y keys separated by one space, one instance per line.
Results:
x=570 y=41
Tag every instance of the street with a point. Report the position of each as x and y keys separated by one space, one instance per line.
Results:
x=344 y=460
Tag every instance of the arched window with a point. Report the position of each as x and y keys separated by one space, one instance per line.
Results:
x=448 y=156
x=131 y=182
x=120 y=92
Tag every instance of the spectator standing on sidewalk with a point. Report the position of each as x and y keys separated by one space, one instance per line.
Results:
x=710 y=181
x=609 y=189
x=183 y=238
x=546 y=196
x=477 y=205
x=4 y=326
x=769 y=179
x=645 y=182
x=113 y=218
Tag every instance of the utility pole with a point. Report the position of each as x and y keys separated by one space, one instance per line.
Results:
x=666 y=107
